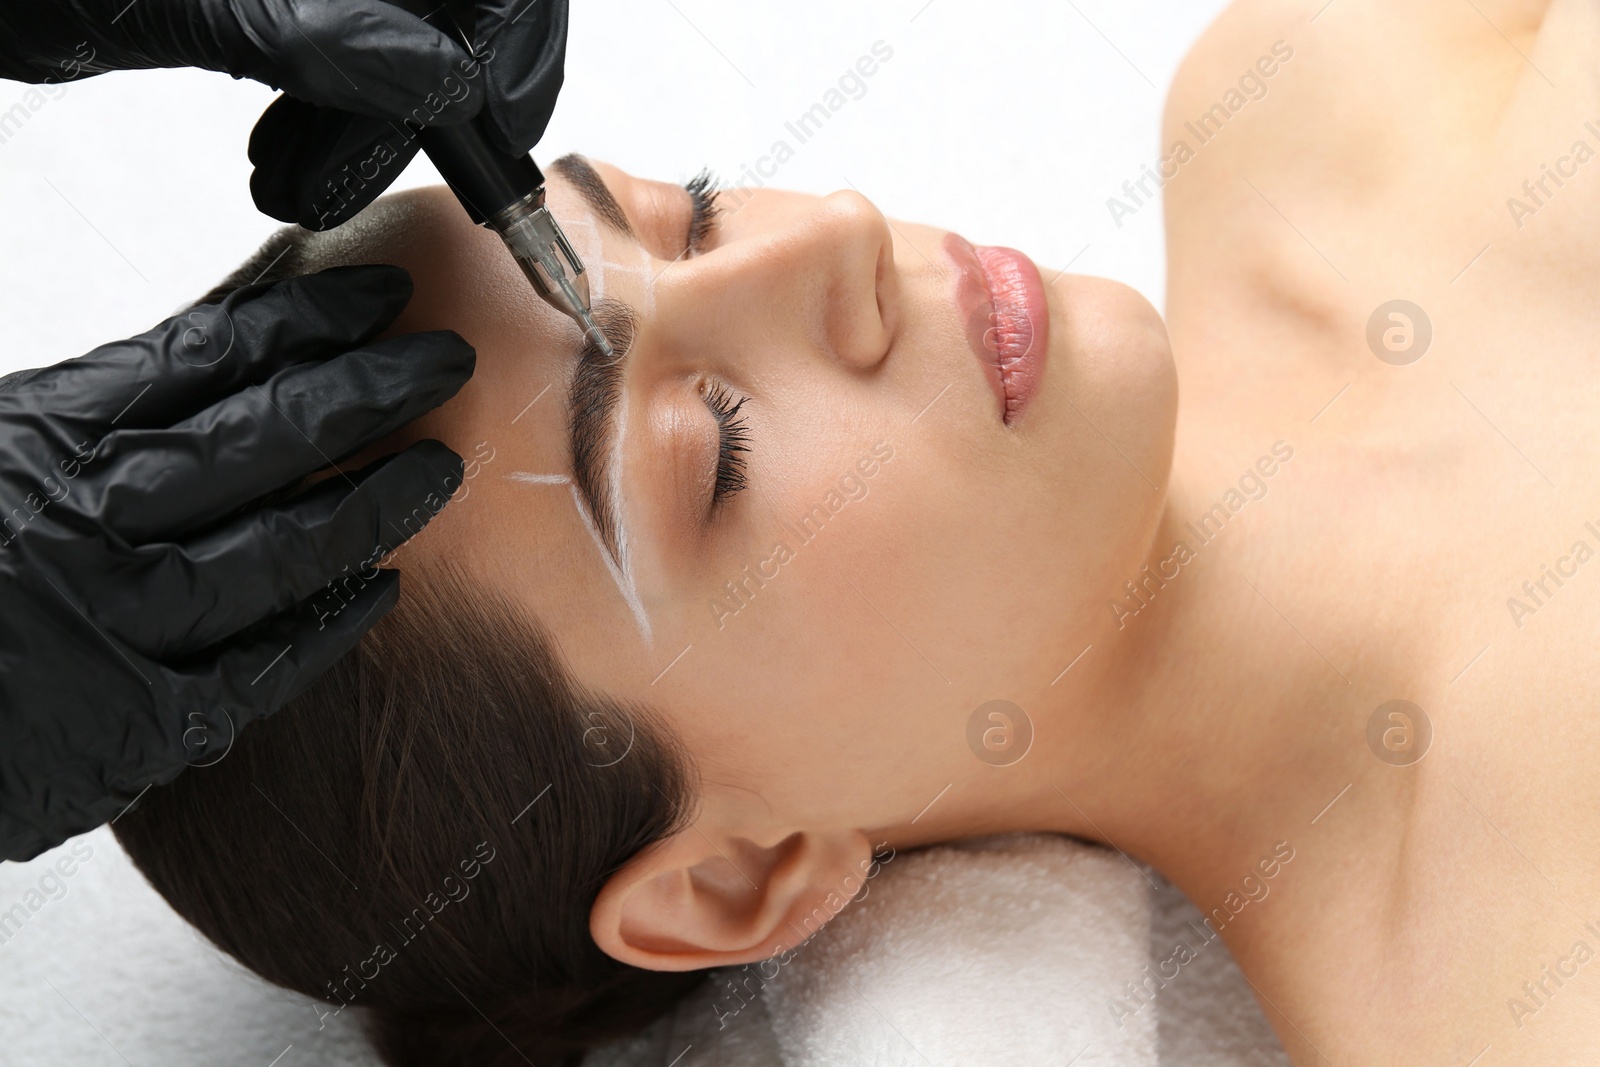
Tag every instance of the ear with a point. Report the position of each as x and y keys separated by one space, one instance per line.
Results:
x=714 y=897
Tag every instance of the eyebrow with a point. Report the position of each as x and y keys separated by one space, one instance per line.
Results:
x=592 y=402
x=596 y=390
x=584 y=178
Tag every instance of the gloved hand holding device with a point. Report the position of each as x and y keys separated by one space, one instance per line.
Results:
x=152 y=603
x=354 y=72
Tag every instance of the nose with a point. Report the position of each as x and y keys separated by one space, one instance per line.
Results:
x=821 y=276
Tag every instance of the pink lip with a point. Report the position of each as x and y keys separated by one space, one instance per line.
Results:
x=1001 y=297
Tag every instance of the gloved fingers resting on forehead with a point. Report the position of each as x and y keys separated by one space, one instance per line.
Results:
x=146 y=485
x=325 y=543
x=273 y=662
x=199 y=356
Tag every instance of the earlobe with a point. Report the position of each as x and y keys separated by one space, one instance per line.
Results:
x=710 y=898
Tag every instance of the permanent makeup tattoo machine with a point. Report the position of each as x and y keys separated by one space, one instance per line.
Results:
x=506 y=194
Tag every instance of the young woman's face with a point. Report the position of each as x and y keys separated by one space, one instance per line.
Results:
x=806 y=530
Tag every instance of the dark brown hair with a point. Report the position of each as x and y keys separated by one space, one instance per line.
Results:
x=421 y=834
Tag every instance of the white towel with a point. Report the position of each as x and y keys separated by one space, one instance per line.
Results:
x=1011 y=950
x=1006 y=944
x=1014 y=950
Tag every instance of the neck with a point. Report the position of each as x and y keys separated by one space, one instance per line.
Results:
x=1206 y=726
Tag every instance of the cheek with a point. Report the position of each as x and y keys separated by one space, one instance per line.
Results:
x=814 y=673
x=804 y=603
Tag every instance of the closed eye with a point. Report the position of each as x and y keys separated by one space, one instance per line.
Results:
x=703 y=190
x=733 y=440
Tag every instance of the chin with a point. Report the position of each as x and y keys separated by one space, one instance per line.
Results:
x=1110 y=354
x=1111 y=364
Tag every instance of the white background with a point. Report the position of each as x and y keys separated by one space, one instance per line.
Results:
x=126 y=196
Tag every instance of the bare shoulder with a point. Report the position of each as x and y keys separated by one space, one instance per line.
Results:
x=1365 y=125
x=1370 y=82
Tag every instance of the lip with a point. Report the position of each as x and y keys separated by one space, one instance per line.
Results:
x=1002 y=301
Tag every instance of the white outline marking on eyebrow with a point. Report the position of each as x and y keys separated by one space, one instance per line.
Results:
x=649 y=277
x=624 y=542
x=624 y=582
x=589 y=249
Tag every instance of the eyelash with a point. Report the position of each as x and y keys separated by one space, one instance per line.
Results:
x=733 y=438
x=733 y=432
x=703 y=190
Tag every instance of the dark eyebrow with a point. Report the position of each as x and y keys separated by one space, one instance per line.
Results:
x=575 y=169
x=591 y=423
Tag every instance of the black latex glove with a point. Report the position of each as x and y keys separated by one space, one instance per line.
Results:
x=354 y=70
x=151 y=604
x=318 y=163
x=363 y=55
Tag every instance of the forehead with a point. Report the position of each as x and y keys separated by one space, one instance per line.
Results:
x=515 y=524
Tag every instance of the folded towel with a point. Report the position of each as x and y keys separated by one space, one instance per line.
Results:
x=1002 y=950
x=1014 y=950
x=1208 y=1016
x=1024 y=949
